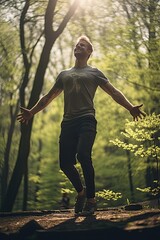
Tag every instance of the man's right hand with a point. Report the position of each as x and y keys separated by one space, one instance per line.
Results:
x=25 y=115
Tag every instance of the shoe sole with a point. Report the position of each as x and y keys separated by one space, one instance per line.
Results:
x=85 y=214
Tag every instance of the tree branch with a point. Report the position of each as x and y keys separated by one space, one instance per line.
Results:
x=34 y=46
x=22 y=32
x=143 y=86
x=49 y=17
x=67 y=17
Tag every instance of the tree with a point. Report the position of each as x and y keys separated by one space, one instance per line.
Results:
x=143 y=140
x=50 y=38
x=143 y=17
x=9 y=91
x=121 y=52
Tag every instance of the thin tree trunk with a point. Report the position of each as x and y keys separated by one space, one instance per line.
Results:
x=25 y=188
x=130 y=175
x=38 y=169
x=5 y=170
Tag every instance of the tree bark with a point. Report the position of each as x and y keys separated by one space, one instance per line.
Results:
x=40 y=146
x=5 y=170
x=130 y=175
x=25 y=188
x=24 y=146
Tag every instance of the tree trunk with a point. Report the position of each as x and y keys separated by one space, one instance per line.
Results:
x=154 y=59
x=5 y=170
x=24 y=147
x=25 y=188
x=40 y=145
x=154 y=67
x=19 y=167
x=130 y=175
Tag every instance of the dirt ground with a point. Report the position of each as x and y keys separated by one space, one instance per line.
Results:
x=24 y=225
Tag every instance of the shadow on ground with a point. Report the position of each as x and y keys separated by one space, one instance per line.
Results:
x=107 y=225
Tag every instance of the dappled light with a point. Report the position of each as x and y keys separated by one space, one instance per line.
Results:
x=45 y=79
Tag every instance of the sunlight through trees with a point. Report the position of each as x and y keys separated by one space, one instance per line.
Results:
x=36 y=43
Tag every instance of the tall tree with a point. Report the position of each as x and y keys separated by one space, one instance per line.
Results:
x=8 y=93
x=143 y=17
x=50 y=37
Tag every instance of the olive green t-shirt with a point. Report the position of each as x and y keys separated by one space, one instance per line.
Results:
x=79 y=86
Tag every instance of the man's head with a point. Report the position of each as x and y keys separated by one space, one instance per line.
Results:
x=83 y=48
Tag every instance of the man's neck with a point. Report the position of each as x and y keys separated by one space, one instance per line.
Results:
x=80 y=63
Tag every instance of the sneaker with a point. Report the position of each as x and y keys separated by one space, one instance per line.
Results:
x=89 y=208
x=80 y=200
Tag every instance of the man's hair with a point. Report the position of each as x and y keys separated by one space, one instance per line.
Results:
x=86 y=39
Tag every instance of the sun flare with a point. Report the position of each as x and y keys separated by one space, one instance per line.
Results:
x=84 y=2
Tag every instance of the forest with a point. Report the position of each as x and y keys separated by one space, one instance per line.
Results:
x=36 y=43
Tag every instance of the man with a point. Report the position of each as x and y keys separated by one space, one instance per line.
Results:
x=78 y=127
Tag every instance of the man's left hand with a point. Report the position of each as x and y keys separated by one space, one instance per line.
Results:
x=137 y=113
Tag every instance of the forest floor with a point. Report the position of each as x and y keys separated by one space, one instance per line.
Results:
x=108 y=224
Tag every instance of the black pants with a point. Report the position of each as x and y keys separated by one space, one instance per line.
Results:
x=76 y=142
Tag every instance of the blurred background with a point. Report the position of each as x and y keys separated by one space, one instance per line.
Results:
x=36 y=43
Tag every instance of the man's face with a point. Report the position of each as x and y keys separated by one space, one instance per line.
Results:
x=81 y=49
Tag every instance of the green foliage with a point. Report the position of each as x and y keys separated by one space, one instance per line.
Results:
x=145 y=138
x=129 y=57
x=141 y=137
x=153 y=191
x=108 y=195
x=66 y=190
x=128 y=202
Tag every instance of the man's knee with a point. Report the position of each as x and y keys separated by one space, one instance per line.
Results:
x=66 y=166
x=63 y=166
x=83 y=157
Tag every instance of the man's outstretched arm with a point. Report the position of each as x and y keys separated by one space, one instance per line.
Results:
x=119 y=97
x=27 y=114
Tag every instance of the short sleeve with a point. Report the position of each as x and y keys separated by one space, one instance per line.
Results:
x=59 y=83
x=101 y=78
